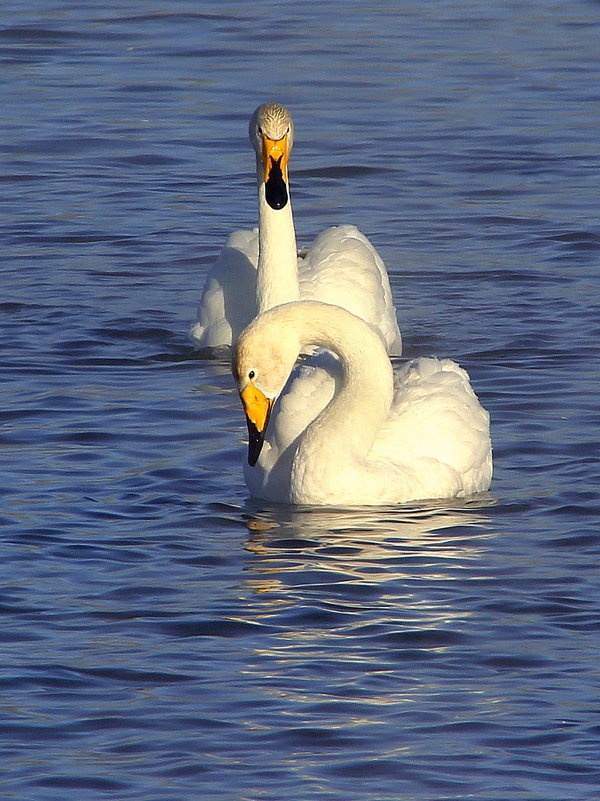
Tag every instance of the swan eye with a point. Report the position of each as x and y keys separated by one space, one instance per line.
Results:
x=251 y=375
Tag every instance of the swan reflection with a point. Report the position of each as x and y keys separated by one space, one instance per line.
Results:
x=295 y=547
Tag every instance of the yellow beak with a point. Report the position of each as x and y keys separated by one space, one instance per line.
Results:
x=258 y=409
x=275 y=153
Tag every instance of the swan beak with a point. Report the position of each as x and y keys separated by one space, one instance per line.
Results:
x=258 y=409
x=275 y=155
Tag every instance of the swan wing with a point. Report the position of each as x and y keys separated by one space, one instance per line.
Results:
x=343 y=268
x=437 y=430
x=228 y=301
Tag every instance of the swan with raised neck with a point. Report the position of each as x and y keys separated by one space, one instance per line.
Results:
x=272 y=135
x=260 y=269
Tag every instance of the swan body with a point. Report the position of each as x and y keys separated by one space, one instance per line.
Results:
x=262 y=268
x=372 y=437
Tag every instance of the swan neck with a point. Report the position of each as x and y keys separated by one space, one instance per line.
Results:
x=350 y=423
x=277 y=272
x=367 y=382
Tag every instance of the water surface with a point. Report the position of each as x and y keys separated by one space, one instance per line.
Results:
x=164 y=638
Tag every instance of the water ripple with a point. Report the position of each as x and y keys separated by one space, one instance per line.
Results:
x=161 y=632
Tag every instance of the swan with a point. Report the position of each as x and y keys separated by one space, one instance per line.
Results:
x=262 y=268
x=379 y=439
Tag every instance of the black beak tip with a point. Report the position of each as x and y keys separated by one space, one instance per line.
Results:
x=255 y=443
x=276 y=203
x=276 y=192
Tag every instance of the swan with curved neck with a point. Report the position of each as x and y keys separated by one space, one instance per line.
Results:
x=261 y=269
x=380 y=439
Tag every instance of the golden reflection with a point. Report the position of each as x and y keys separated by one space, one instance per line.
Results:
x=261 y=525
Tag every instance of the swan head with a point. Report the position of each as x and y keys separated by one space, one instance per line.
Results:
x=272 y=136
x=263 y=359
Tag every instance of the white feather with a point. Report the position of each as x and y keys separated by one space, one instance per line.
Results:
x=350 y=432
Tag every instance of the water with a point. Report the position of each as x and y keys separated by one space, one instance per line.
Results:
x=163 y=638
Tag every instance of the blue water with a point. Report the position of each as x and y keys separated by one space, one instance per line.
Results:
x=163 y=638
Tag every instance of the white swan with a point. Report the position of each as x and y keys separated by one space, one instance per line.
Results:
x=380 y=439
x=262 y=268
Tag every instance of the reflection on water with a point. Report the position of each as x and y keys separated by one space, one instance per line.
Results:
x=411 y=524
x=368 y=610
x=320 y=552
x=408 y=519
